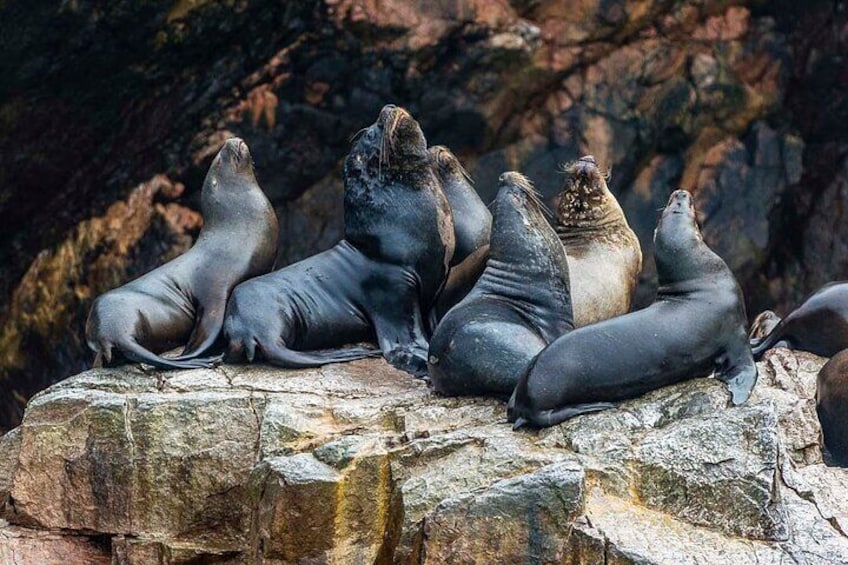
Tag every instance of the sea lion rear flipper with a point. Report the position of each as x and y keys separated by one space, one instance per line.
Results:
x=134 y=351
x=205 y=334
x=546 y=418
x=739 y=372
x=278 y=354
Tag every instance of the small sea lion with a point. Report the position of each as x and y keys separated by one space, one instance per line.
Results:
x=377 y=283
x=472 y=223
x=604 y=256
x=832 y=406
x=819 y=325
x=763 y=324
x=182 y=303
x=520 y=304
x=695 y=326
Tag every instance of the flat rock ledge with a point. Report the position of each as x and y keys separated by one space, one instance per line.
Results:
x=360 y=463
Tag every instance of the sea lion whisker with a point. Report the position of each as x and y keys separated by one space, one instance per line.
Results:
x=356 y=135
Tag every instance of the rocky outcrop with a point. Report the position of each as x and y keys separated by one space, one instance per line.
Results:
x=360 y=463
x=735 y=101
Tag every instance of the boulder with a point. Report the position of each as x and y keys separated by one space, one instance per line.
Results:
x=360 y=463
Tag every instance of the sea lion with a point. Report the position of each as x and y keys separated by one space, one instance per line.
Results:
x=604 y=256
x=819 y=325
x=695 y=326
x=763 y=324
x=472 y=223
x=832 y=406
x=183 y=301
x=520 y=304
x=377 y=283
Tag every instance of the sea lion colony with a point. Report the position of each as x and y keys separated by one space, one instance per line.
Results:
x=502 y=303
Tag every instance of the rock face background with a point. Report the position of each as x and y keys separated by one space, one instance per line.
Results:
x=111 y=112
x=360 y=463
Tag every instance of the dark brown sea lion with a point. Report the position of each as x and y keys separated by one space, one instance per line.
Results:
x=763 y=325
x=819 y=325
x=182 y=303
x=604 y=256
x=520 y=304
x=472 y=223
x=832 y=406
x=695 y=326
x=377 y=283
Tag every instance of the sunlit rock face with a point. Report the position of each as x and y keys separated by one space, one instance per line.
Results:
x=360 y=463
x=738 y=103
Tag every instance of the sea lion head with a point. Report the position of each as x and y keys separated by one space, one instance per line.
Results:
x=585 y=199
x=518 y=215
x=679 y=246
x=447 y=166
x=229 y=176
x=391 y=146
x=233 y=160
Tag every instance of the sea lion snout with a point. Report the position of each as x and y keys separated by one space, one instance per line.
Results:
x=237 y=151
x=586 y=168
x=680 y=201
x=391 y=113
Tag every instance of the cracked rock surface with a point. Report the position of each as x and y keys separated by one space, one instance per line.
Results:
x=110 y=113
x=359 y=463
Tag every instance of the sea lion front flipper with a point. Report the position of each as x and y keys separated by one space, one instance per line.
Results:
x=739 y=372
x=399 y=326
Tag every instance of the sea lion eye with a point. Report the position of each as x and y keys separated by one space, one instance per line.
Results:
x=214 y=182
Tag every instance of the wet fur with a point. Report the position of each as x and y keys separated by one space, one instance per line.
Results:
x=377 y=283
x=695 y=326
x=182 y=303
x=519 y=305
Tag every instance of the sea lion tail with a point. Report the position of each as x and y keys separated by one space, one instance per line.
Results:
x=136 y=352
x=279 y=354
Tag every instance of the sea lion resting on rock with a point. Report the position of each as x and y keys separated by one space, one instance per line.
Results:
x=183 y=301
x=604 y=256
x=520 y=304
x=832 y=406
x=819 y=325
x=472 y=228
x=377 y=282
x=696 y=325
x=763 y=325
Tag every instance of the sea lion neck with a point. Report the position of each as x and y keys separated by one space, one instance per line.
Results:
x=527 y=261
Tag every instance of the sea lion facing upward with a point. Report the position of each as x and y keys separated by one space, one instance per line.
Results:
x=472 y=223
x=183 y=301
x=520 y=304
x=377 y=282
x=819 y=325
x=604 y=256
x=832 y=406
x=696 y=325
